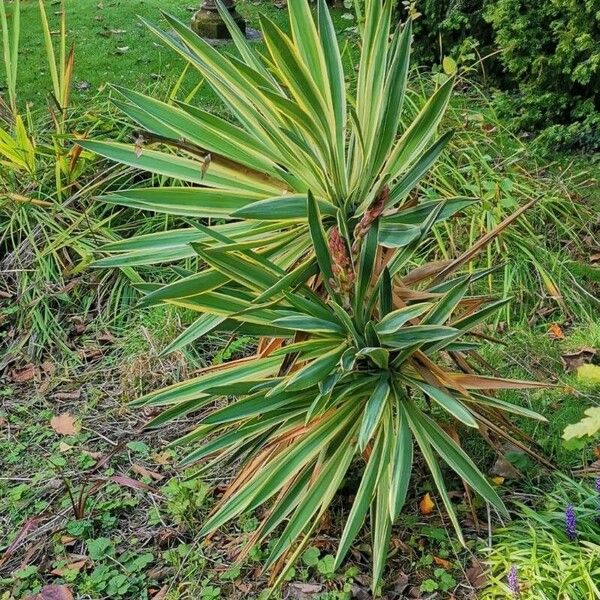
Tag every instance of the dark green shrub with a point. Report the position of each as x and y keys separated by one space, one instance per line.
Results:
x=549 y=67
x=552 y=51
x=454 y=28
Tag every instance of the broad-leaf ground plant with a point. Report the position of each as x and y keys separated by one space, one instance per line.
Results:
x=305 y=217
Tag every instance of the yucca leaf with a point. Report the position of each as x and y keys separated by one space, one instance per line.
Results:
x=366 y=263
x=441 y=311
x=308 y=323
x=401 y=460
x=319 y=241
x=458 y=460
x=448 y=402
x=283 y=208
x=317 y=498
x=480 y=399
x=185 y=201
x=411 y=412
x=373 y=411
x=418 y=135
x=416 y=334
x=199 y=328
x=393 y=321
x=194 y=388
x=315 y=371
x=362 y=500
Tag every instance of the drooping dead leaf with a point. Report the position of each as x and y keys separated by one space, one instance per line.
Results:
x=555 y=332
x=426 y=505
x=64 y=424
x=573 y=360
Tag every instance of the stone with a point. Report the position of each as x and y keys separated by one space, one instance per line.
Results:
x=207 y=21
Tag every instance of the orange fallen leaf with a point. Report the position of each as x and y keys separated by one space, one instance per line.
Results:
x=426 y=505
x=555 y=332
x=442 y=562
x=64 y=424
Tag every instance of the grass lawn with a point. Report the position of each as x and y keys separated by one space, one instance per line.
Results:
x=112 y=45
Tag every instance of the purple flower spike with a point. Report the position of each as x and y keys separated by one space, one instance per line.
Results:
x=513 y=582
x=570 y=522
x=598 y=485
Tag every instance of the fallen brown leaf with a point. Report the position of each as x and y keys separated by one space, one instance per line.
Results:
x=141 y=470
x=23 y=375
x=162 y=458
x=162 y=593
x=52 y=592
x=303 y=591
x=476 y=574
x=573 y=360
x=67 y=395
x=64 y=424
x=505 y=469
x=74 y=566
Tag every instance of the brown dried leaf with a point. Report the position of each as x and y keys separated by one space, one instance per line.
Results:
x=23 y=375
x=141 y=470
x=53 y=592
x=67 y=395
x=162 y=593
x=303 y=591
x=132 y=483
x=476 y=574
x=64 y=424
x=573 y=360
x=505 y=469
x=74 y=566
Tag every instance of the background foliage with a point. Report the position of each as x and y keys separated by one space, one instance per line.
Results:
x=549 y=65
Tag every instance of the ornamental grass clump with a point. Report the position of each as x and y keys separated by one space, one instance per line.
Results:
x=306 y=222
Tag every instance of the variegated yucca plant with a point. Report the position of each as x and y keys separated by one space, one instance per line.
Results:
x=306 y=221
